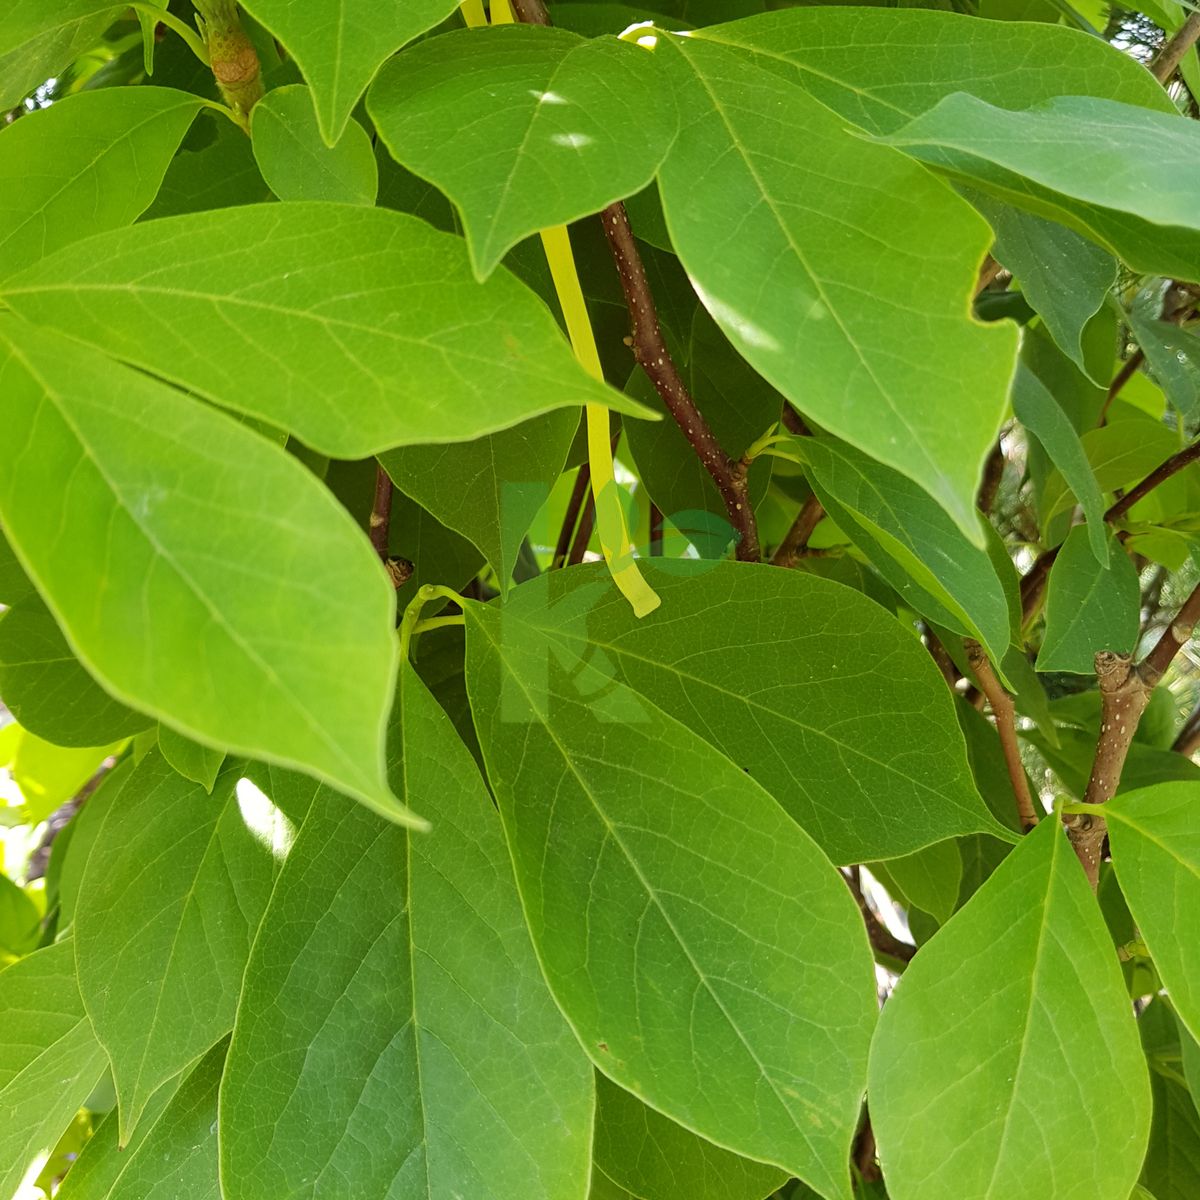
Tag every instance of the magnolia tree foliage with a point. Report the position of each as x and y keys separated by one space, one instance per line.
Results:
x=596 y=601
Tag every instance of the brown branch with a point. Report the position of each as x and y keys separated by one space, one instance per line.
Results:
x=656 y=531
x=993 y=473
x=1125 y=691
x=1005 y=714
x=941 y=656
x=987 y=275
x=880 y=936
x=580 y=491
x=379 y=530
x=1159 y=475
x=650 y=351
x=583 y=531
x=1123 y=376
x=530 y=12
x=1167 y=60
x=1033 y=583
x=796 y=538
x=1187 y=740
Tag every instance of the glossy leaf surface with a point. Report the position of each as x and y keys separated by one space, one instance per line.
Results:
x=194 y=566
x=386 y=337
x=1009 y=1027
x=634 y=843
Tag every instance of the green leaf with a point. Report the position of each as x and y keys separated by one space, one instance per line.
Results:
x=49 y=1058
x=1036 y=408
x=911 y=541
x=1155 y=841
x=220 y=174
x=393 y=975
x=376 y=332
x=20 y=921
x=86 y=164
x=1172 y=1166
x=15 y=585
x=37 y=40
x=877 y=67
x=1121 y=454
x=340 y=44
x=1173 y=355
x=174 y=1159
x=928 y=878
x=1064 y=277
x=562 y=126
x=634 y=842
x=1089 y=607
x=1009 y=1029
x=48 y=691
x=806 y=736
x=296 y=162
x=491 y=489
x=170 y=899
x=778 y=256
x=1081 y=161
x=198 y=763
x=218 y=534
x=642 y=1151
x=47 y=775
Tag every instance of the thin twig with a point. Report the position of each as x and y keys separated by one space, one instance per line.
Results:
x=579 y=492
x=880 y=936
x=993 y=473
x=1167 y=60
x=656 y=531
x=583 y=531
x=1123 y=376
x=1005 y=714
x=650 y=351
x=1033 y=583
x=1160 y=474
x=796 y=538
x=379 y=530
x=941 y=656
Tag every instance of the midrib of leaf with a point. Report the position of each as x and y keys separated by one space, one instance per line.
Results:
x=1022 y=1051
x=716 y=686
x=125 y=136
x=310 y=719
x=808 y=68
x=654 y=897
x=769 y=199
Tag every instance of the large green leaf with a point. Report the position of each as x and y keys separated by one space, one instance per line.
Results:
x=395 y=1035
x=174 y=886
x=911 y=541
x=854 y=679
x=296 y=162
x=778 y=232
x=49 y=1057
x=1063 y=276
x=149 y=521
x=877 y=67
x=491 y=489
x=685 y=924
x=354 y=328
x=640 y=1150
x=175 y=1158
x=340 y=44
x=1035 y=406
x=1089 y=607
x=39 y=39
x=48 y=691
x=561 y=126
x=1155 y=839
x=1006 y=1062
x=89 y=163
x=1081 y=161
x=1173 y=355
x=1172 y=1165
